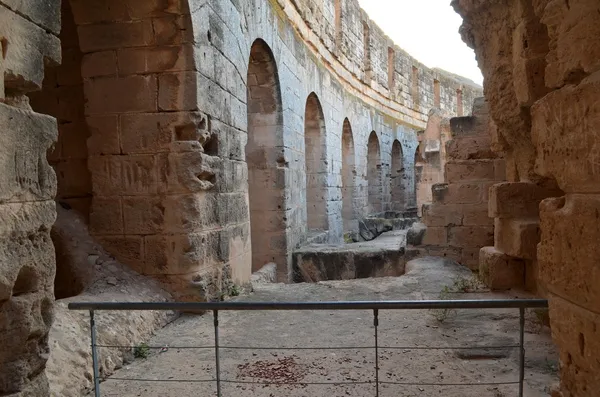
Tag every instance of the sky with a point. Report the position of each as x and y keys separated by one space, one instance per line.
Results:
x=428 y=30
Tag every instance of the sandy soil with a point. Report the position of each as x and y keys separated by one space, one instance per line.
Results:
x=399 y=333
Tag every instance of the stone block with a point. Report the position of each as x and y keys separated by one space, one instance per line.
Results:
x=568 y=252
x=470 y=148
x=181 y=253
x=470 y=258
x=26 y=48
x=173 y=29
x=178 y=91
x=124 y=175
x=442 y=215
x=576 y=331
x=191 y=212
x=435 y=236
x=517 y=237
x=106 y=216
x=517 y=199
x=128 y=250
x=565 y=148
x=469 y=170
x=500 y=271
x=112 y=36
x=158 y=59
x=45 y=14
x=123 y=10
x=568 y=27
x=26 y=174
x=471 y=236
x=121 y=94
x=463 y=193
x=476 y=215
x=99 y=64
x=104 y=135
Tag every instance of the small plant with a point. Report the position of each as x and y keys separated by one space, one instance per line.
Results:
x=442 y=315
x=234 y=290
x=463 y=284
x=141 y=351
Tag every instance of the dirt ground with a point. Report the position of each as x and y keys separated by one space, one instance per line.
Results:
x=400 y=332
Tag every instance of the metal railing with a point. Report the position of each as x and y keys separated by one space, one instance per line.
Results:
x=374 y=306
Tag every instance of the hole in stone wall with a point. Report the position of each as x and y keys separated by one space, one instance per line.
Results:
x=27 y=281
x=4 y=44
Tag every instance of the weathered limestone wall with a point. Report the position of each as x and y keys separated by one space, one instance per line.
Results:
x=541 y=63
x=457 y=221
x=29 y=39
x=430 y=157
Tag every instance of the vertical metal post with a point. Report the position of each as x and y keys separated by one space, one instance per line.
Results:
x=521 y=350
x=376 y=324
x=94 y=355
x=217 y=358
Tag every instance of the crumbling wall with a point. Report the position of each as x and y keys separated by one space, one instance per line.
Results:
x=431 y=157
x=457 y=222
x=29 y=40
x=541 y=64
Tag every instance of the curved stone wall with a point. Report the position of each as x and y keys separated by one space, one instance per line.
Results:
x=165 y=105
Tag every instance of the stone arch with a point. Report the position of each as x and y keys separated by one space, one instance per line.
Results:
x=348 y=177
x=265 y=159
x=315 y=149
x=375 y=195
x=126 y=103
x=397 y=180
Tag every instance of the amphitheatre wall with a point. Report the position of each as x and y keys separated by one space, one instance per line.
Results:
x=172 y=125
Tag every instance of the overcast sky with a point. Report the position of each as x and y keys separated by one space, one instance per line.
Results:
x=428 y=30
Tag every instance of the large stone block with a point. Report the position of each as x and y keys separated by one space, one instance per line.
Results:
x=469 y=170
x=471 y=236
x=110 y=36
x=566 y=146
x=576 y=331
x=435 y=236
x=517 y=237
x=26 y=46
x=128 y=250
x=500 y=271
x=178 y=91
x=155 y=59
x=476 y=215
x=463 y=193
x=26 y=174
x=124 y=175
x=121 y=94
x=45 y=14
x=517 y=199
x=442 y=214
x=568 y=252
x=470 y=148
x=574 y=43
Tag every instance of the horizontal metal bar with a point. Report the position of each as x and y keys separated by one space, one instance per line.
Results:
x=383 y=382
x=341 y=305
x=317 y=347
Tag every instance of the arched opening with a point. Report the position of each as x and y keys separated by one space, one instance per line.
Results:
x=397 y=179
x=418 y=176
x=119 y=108
x=375 y=195
x=315 y=154
x=348 y=177
x=265 y=159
